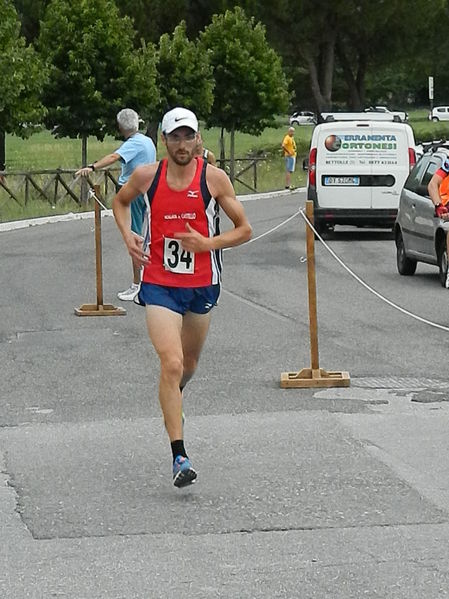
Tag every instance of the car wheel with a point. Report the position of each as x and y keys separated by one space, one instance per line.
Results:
x=442 y=263
x=435 y=119
x=406 y=266
x=294 y=123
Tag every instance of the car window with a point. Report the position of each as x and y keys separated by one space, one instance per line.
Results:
x=416 y=174
x=430 y=170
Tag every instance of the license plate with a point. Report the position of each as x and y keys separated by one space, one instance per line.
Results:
x=341 y=180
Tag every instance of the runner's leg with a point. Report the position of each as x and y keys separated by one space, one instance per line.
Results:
x=164 y=329
x=193 y=335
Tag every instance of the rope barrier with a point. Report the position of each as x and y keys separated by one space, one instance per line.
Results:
x=368 y=287
x=270 y=230
x=334 y=255
x=91 y=194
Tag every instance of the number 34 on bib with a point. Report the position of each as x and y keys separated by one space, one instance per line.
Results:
x=176 y=259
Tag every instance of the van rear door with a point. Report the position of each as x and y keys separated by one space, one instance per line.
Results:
x=390 y=163
x=342 y=168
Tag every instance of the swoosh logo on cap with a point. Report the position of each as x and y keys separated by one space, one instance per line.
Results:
x=179 y=118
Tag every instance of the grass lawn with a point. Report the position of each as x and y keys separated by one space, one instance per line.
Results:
x=43 y=151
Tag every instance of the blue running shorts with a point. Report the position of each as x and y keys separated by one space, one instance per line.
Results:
x=199 y=300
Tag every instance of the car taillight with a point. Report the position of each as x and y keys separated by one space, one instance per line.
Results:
x=411 y=158
x=312 y=167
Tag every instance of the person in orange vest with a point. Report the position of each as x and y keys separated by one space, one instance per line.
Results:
x=439 y=190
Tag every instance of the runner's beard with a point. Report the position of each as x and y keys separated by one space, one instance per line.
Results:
x=182 y=158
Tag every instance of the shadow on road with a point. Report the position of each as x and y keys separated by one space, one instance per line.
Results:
x=358 y=234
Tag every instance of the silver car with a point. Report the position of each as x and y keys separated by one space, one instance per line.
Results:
x=303 y=117
x=420 y=236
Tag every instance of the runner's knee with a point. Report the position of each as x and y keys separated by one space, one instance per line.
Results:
x=172 y=367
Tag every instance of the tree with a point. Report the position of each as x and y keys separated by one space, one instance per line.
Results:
x=183 y=78
x=199 y=13
x=404 y=78
x=304 y=32
x=22 y=75
x=184 y=75
x=343 y=43
x=250 y=86
x=94 y=70
x=153 y=18
x=30 y=13
x=143 y=95
x=375 y=36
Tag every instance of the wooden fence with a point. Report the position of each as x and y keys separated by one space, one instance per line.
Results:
x=242 y=166
x=55 y=186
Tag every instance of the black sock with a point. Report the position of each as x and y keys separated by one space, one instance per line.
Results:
x=177 y=448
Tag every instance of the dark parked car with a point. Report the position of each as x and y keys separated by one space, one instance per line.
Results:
x=420 y=236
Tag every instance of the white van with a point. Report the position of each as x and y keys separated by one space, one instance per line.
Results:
x=356 y=170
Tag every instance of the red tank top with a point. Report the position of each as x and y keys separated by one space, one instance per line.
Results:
x=168 y=211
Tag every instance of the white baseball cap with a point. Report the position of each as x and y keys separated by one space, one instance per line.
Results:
x=179 y=117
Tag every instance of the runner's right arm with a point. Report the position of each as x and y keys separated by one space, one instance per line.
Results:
x=138 y=183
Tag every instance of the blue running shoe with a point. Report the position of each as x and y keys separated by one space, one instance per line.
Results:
x=183 y=473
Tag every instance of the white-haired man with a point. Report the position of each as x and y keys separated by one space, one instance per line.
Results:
x=137 y=149
x=181 y=259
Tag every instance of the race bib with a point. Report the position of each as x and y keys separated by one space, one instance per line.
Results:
x=176 y=259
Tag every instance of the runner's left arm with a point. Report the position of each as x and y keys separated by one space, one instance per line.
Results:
x=222 y=190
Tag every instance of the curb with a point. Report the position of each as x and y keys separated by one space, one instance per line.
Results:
x=71 y=216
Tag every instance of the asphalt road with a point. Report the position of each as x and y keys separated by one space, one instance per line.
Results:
x=326 y=493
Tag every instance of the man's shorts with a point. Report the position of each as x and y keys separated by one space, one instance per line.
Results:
x=138 y=211
x=290 y=162
x=199 y=300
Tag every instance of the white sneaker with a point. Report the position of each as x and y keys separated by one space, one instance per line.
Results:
x=129 y=294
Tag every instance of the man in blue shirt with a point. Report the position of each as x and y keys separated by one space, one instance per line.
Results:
x=137 y=149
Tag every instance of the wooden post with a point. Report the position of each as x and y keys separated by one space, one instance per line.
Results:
x=313 y=376
x=311 y=285
x=98 y=250
x=98 y=309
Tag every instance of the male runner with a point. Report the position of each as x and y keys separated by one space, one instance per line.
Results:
x=182 y=261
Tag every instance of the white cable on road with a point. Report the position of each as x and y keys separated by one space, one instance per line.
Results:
x=362 y=282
